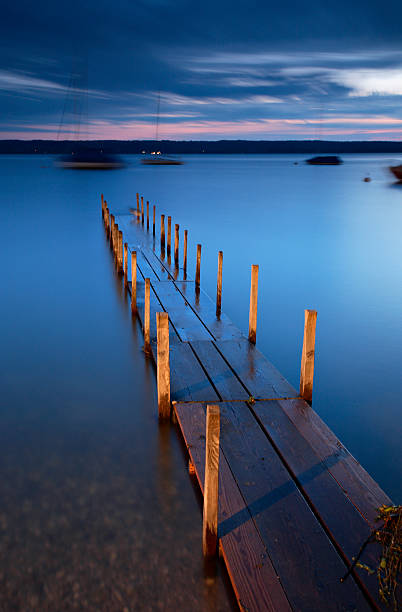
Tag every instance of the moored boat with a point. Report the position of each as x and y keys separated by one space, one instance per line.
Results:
x=397 y=171
x=156 y=159
x=90 y=159
x=324 y=160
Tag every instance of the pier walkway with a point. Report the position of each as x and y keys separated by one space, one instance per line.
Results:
x=294 y=505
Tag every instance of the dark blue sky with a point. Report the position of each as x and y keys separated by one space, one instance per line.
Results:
x=223 y=69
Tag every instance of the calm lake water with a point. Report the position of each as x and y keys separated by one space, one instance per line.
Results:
x=97 y=507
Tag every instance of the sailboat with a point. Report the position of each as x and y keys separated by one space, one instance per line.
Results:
x=155 y=158
x=397 y=172
x=84 y=155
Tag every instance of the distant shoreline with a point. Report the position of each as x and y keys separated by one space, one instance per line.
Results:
x=185 y=147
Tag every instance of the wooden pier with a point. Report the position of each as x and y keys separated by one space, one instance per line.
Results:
x=294 y=506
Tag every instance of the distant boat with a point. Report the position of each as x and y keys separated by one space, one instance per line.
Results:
x=90 y=159
x=156 y=159
x=324 y=160
x=397 y=171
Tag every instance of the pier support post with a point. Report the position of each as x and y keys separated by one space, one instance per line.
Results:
x=198 y=267
x=176 y=245
x=134 y=282
x=308 y=351
x=111 y=229
x=163 y=233
x=115 y=239
x=153 y=225
x=211 y=483
x=169 y=235
x=138 y=206
x=252 y=320
x=103 y=206
x=142 y=210
x=185 y=251
x=147 y=216
x=219 y=285
x=125 y=264
x=120 y=252
x=147 y=310
x=163 y=366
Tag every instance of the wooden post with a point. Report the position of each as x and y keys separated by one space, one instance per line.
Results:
x=176 y=245
x=115 y=239
x=120 y=252
x=162 y=232
x=198 y=268
x=211 y=483
x=252 y=320
x=111 y=229
x=142 y=210
x=169 y=235
x=103 y=205
x=147 y=216
x=138 y=206
x=147 y=308
x=134 y=281
x=219 y=285
x=125 y=264
x=185 y=251
x=163 y=367
x=308 y=351
x=153 y=227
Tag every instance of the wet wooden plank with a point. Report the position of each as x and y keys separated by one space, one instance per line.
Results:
x=221 y=328
x=187 y=324
x=187 y=378
x=303 y=556
x=362 y=490
x=255 y=582
x=225 y=381
x=156 y=264
x=347 y=527
x=175 y=272
x=261 y=379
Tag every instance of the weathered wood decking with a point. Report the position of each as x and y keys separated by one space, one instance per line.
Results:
x=294 y=505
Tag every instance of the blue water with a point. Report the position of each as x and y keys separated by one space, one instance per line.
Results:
x=97 y=505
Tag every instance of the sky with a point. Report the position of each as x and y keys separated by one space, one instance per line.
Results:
x=221 y=70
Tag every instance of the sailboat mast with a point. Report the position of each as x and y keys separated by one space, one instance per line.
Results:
x=157 y=117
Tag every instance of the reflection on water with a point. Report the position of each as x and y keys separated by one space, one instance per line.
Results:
x=97 y=510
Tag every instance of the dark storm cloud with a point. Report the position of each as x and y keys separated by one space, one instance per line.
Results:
x=222 y=68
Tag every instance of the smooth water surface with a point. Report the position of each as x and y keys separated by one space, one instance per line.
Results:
x=97 y=511
x=97 y=508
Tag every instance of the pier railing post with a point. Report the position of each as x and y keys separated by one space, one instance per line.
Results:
x=252 y=321
x=198 y=266
x=185 y=251
x=142 y=210
x=211 y=483
x=138 y=206
x=147 y=310
x=219 y=285
x=169 y=235
x=125 y=264
x=153 y=226
x=103 y=206
x=134 y=281
x=111 y=229
x=162 y=364
x=120 y=252
x=308 y=352
x=147 y=216
x=176 y=245
x=163 y=233
x=115 y=239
